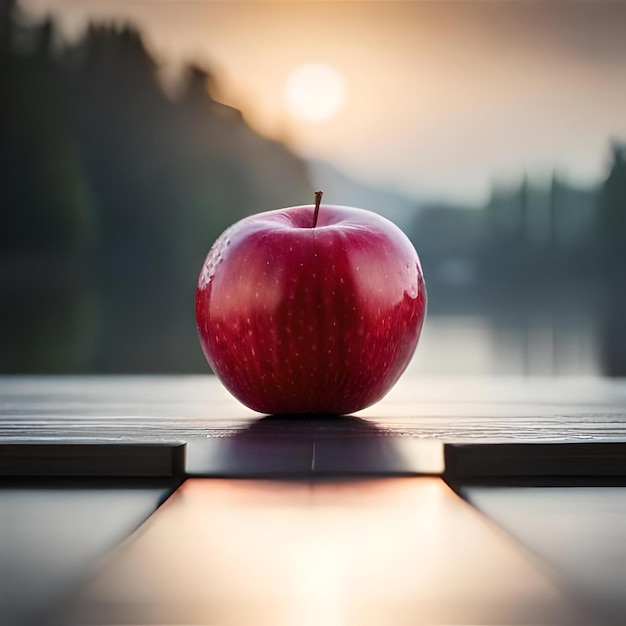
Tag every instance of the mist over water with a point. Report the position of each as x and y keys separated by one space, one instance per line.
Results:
x=536 y=346
x=113 y=187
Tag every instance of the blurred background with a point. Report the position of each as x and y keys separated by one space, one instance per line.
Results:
x=133 y=132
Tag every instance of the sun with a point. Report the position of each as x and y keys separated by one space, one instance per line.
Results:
x=314 y=92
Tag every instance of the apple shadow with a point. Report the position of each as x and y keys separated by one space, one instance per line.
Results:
x=301 y=446
x=311 y=425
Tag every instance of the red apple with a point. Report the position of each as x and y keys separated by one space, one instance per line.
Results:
x=310 y=309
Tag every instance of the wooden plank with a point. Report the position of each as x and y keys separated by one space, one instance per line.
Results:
x=50 y=537
x=92 y=460
x=377 y=456
x=198 y=410
x=238 y=456
x=579 y=531
x=338 y=446
x=484 y=462
x=401 y=551
x=170 y=408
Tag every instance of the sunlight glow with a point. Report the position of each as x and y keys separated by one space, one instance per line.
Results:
x=314 y=92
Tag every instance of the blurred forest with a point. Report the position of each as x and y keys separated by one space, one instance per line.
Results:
x=551 y=250
x=111 y=194
x=112 y=191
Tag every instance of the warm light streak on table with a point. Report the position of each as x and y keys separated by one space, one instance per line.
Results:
x=312 y=521
x=386 y=551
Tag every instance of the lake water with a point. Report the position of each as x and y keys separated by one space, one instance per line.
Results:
x=530 y=346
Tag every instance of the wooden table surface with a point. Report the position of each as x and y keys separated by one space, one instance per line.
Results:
x=427 y=508
x=450 y=409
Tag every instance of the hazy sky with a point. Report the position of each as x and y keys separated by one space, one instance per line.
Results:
x=443 y=98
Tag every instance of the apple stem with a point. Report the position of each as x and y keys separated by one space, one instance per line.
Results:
x=318 y=200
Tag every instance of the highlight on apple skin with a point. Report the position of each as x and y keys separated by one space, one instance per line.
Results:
x=305 y=311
